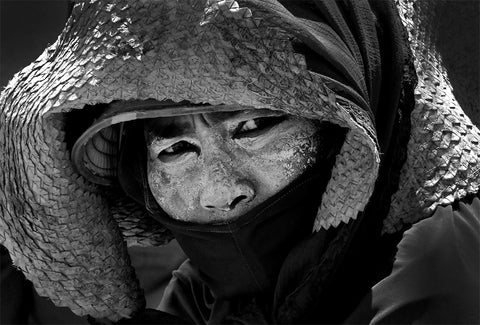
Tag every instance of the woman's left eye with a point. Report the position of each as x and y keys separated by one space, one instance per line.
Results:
x=257 y=126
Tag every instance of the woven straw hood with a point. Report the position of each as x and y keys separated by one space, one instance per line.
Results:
x=67 y=234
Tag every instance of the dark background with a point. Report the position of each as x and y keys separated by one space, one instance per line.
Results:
x=28 y=27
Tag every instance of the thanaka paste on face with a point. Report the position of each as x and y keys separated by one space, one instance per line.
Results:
x=249 y=170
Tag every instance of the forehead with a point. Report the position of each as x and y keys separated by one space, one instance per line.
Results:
x=172 y=126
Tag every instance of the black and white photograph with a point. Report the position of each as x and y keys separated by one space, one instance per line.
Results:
x=239 y=162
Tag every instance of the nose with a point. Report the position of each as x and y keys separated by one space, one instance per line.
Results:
x=225 y=197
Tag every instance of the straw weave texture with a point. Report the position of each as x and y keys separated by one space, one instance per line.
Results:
x=443 y=163
x=69 y=236
x=64 y=233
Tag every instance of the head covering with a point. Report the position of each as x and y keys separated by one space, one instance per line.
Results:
x=346 y=62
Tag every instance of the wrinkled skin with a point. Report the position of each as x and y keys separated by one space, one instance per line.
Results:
x=213 y=167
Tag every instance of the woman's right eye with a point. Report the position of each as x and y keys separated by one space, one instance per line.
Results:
x=177 y=151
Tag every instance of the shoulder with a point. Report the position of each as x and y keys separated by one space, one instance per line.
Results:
x=435 y=275
x=185 y=294
x=449 y=240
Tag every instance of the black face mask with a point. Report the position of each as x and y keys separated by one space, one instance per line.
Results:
x=243 y=257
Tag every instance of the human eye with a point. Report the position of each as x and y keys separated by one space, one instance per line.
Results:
x=257 y=126
x=177 y=151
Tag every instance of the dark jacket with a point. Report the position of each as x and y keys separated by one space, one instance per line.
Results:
x=432 y=277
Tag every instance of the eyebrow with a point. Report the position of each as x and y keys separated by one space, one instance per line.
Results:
x=170 y=130
x=174 y=129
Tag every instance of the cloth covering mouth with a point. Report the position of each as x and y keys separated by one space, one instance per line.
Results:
x=274 y=76
x=67 y=234
x=159 y=50
x=242 y=257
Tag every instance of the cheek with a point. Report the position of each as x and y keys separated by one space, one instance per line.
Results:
x=288 y=156
x=176 y=194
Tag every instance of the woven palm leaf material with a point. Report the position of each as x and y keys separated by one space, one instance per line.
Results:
x=61 y=230
x=64 y=232
x=443 y=152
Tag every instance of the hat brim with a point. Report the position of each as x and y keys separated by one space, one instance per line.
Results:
x=91 y=151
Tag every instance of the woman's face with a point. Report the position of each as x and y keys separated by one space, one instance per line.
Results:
x=213 y=167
